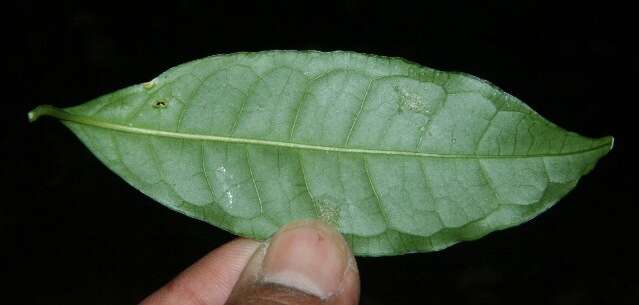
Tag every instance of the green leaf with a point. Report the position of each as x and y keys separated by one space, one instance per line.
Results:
x=401 y=158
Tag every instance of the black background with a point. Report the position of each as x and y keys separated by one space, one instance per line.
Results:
x=77 y=234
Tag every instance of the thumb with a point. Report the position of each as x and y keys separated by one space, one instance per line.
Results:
x=305 y=263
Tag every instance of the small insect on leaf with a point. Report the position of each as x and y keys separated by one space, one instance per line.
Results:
x=399 y=157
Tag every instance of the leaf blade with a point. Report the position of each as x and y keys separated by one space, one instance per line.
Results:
x=400 y=157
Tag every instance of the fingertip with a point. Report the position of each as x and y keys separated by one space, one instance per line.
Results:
x=349 y=288
x=308 y=262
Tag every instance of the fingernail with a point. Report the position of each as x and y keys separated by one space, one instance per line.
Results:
x=309 y=256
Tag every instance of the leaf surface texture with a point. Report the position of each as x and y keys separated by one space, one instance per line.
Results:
x=401 y=158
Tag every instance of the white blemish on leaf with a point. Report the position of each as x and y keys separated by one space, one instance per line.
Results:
x=329 y=209
x=150 y=84
x=409 y=101
x=225 y=180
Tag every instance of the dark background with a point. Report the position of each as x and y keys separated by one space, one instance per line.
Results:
x=75 y=233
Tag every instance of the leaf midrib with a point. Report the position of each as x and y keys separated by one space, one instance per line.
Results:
x=47 y=110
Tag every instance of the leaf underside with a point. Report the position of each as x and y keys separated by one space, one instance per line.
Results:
x=401 y=158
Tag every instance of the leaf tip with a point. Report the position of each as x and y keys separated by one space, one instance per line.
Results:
x=37 y=112
x=33 y=115
x=611 y=139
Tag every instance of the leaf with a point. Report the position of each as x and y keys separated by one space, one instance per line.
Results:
x=401 y=158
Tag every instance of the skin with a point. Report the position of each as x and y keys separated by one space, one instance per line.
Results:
x=305 y=263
